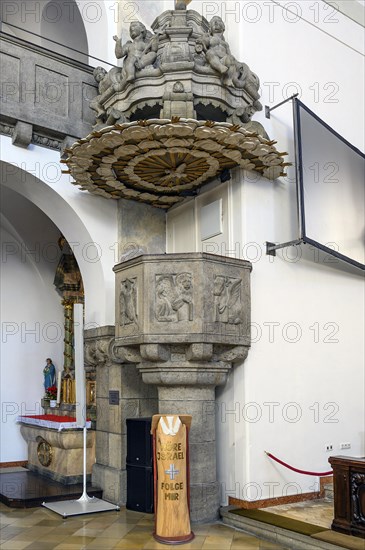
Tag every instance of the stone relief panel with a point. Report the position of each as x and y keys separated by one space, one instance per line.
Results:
x=128 y=300
x=228 y=300
x=174 y=297
x=10 y=68
x=51 y=90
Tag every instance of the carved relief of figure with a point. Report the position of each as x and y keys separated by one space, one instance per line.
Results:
x=199 y=56
x=174 y=297
x=164 y=298
x=183 y=303
x=128 y=302
x=228 y=300
x=138 y=53
x=218 y=53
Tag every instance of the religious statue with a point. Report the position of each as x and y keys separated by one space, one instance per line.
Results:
x=49 y=373
x=138 y=53
x=217 y=51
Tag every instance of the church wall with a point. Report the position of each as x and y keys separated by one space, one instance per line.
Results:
x=31 y=316
x=290 y=397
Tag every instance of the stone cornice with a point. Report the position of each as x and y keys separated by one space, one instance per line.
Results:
x=14 y=40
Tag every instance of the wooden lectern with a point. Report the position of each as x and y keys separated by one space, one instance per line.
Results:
x=171 y=478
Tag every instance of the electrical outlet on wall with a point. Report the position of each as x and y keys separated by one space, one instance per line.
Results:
x=329 y=447
x=345 y=445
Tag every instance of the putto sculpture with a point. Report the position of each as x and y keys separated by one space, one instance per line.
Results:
x=138 y=53
x=183 y=46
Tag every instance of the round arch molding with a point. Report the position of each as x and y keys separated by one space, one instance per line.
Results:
x=62 y=22
x=68 y=222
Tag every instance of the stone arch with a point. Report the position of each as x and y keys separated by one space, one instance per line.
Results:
x=62 y=22
x=58 y=20
x=72 y=227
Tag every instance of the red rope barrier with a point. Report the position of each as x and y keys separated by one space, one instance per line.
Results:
x=296 y=469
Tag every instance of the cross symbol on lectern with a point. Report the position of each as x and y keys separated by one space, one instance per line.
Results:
x=172 y=472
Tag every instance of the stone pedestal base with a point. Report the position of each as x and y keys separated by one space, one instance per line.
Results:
x=58 y=454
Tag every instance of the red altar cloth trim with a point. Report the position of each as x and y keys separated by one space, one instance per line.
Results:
x=52 y=421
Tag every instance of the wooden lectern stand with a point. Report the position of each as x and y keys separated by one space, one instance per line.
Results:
x=171 y=478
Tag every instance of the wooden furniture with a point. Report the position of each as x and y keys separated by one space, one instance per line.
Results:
x=171 y=478
x=349 y=495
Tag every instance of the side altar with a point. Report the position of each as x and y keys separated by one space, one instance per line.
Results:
x=55 y=447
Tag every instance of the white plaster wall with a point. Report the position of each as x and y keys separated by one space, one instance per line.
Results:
x=88 y=222
x=290 y=397
x=31 y=316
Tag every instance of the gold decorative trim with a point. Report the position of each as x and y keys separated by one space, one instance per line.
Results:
x=45 y=453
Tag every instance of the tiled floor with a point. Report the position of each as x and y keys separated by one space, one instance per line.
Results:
x=42 y=529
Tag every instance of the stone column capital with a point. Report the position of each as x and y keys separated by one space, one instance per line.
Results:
x=184 y=373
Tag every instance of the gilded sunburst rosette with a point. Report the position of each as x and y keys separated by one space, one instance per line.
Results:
x=162 y=161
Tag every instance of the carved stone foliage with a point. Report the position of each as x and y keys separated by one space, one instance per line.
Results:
x=174 y=297
x=128 y=302
x=227 y=299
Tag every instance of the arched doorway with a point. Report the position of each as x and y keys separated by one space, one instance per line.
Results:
x=33 y=216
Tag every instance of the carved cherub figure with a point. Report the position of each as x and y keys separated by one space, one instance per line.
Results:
x=139 y=52
x=217 y=51
x=100 y=76
x=245 y=78
x=199 y=55
x=106 y=82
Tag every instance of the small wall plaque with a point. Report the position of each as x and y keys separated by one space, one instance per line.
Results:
x=113 y=397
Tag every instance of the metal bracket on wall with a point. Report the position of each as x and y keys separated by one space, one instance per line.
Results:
x=269 y=109
x=271 y=248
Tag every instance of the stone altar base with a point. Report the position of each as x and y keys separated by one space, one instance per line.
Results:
x=59 y=454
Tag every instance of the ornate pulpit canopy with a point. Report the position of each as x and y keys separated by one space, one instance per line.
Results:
x=174 y=116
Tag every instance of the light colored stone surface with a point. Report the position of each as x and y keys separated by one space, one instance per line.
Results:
x=186 y=64
x=68 y=114
x=142 y=228
x=113 y=482
x=135 y=399
x=67 y=452
x=212 y=307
